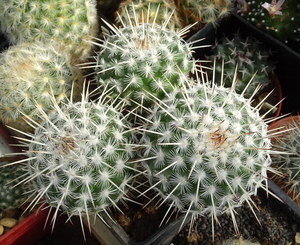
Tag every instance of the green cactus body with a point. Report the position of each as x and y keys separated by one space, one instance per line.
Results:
x=143 y=57
x=150 y=11
x=68 y=23
x=10 y=176
x=78 y=158
x=249 y=57
x=284 y=27
x=288 y=162
x=207 y=149
x=29 y=74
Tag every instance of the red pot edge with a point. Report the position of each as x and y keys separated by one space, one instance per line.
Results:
x=33 y=228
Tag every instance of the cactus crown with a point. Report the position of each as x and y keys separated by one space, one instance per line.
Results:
x=206 y=149
x=29 y=74
x=67 y=23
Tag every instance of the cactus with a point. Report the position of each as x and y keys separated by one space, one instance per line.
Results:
x=68 y=23
x=208 y=11
x=186 y=12
x=11 y=194
x=288 y=162
x=142 y=57
x=77 y=157
x=248 y=56
x=29 y=74
x=206 y=149
x=281 y=20
x=150 y=11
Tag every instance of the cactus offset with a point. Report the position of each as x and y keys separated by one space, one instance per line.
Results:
x=29 y=73
x=68 y=23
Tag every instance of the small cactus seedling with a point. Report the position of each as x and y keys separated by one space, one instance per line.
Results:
x=29 y=73
x=68 y=23
x=206 y=149
x=77 y=157
x=142 y=57
x=12 y=195
x=279 y=18
x=248 y=56
x=288 y=162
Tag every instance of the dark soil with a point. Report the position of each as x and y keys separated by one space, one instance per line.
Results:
x=278 y=225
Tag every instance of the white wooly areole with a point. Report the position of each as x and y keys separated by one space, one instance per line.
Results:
x=77 y=158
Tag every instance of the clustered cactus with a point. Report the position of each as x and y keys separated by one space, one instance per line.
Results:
x=206 y=149
x=67 y=23
x=287 y=162
x=134 y=57
x=203 y=147
x=278 y=18
x=248 y=56
x=29 y=74
x=12 y=194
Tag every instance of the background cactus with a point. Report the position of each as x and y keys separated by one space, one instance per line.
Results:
x=150 y=11
x=206 y=149
x=249 y=56
x=29 y=74
x=186 y=12
x=288 y=162
x=284 y=26
x=77 y=157
x=68 y=23
x=11 y=194
x=142 y=57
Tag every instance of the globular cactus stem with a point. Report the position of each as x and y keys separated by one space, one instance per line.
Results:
x=78 y=157
x=142 y=56
x=29 y=73
x=66 y=23
x=288 y=143
x=249 y=56
x=12 y=195
x=207 y=149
